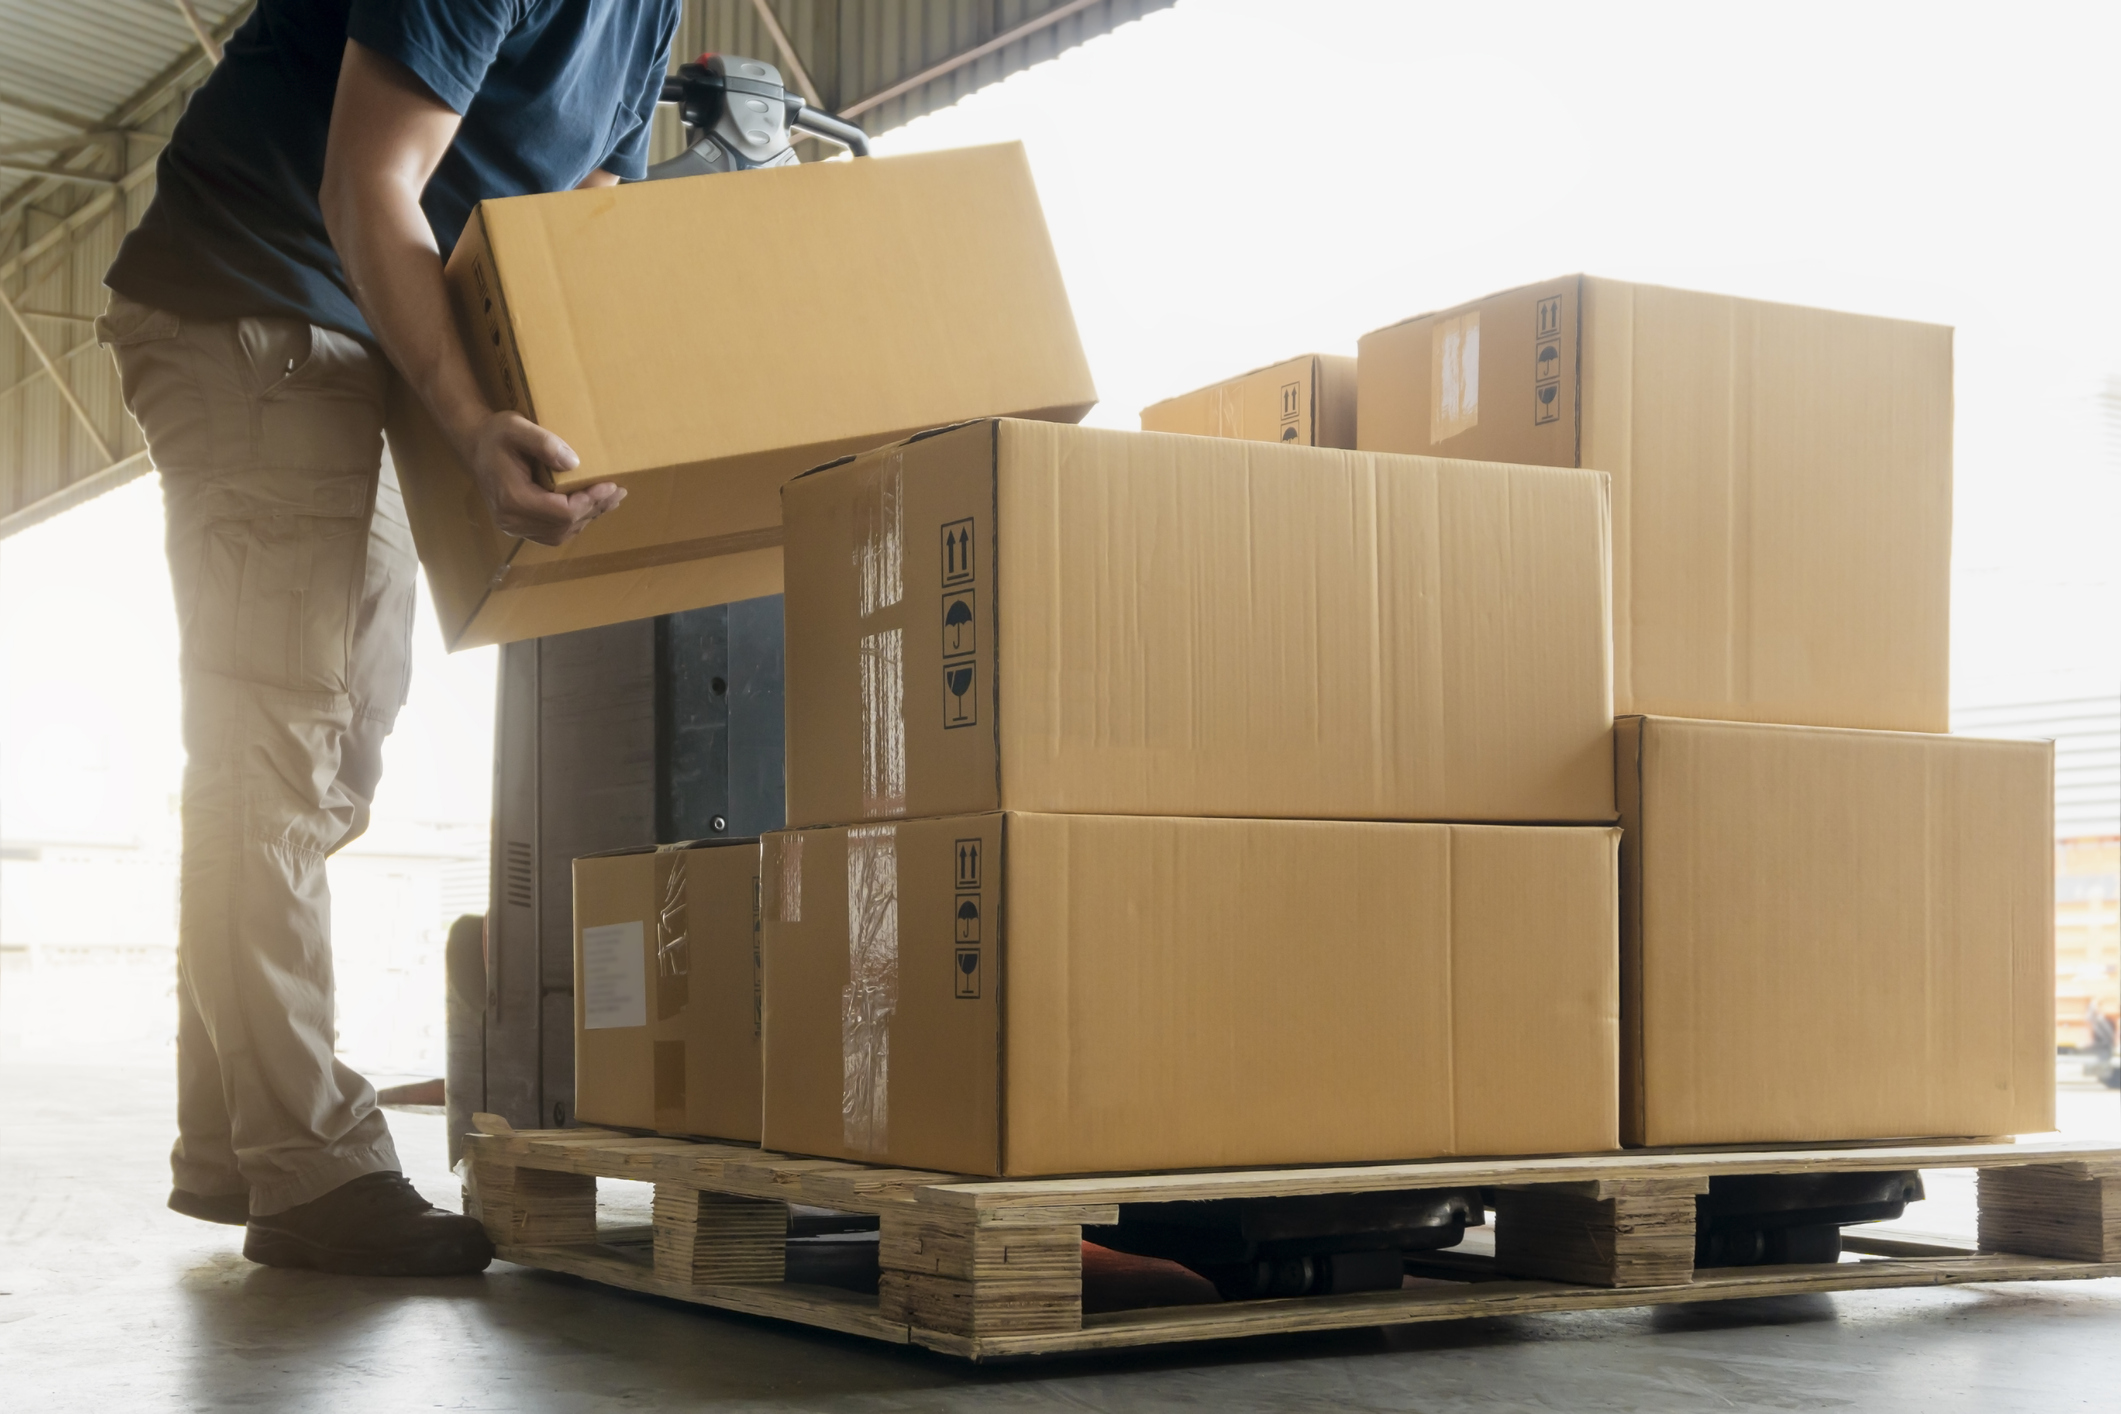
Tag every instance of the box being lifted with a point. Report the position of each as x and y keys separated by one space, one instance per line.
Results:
x=1833 y=935
x=1309 y=401
x=701 y=340
x=667 y=981
x=1023 y=616
x=1782 y=482
x=1010 y=994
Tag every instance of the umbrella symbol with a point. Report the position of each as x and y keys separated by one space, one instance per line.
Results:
x=956 y=620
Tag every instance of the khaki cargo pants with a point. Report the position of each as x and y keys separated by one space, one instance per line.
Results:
x=293 y=574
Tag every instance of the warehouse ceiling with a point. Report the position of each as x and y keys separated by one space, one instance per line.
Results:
x=89 y=90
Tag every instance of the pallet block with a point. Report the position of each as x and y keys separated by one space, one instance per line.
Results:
x=1607 y=1232
x=2072 y=1211
x=993 y=1269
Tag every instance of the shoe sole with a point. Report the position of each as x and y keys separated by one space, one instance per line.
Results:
x=270 y=1247
x=229 y=1210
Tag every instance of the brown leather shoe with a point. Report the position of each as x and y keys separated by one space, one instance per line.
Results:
x=231 y=1209
x=375 y=1225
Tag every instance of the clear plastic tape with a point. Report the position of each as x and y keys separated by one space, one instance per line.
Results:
x=673 y=951
x=791 y=881
x=1454 y=376
x=871 y=994
x=879 y=535
x=883 y=685
x=672 y=955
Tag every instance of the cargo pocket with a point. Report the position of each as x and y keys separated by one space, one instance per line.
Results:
x=279 y=589
x=128 y=322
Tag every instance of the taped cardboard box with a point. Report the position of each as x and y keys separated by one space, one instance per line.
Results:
x=1833 y=935
x=1013 y=994
x=668 y=1007
x=1017 y=615
x=1782 y=482
x=1309 y=401
x=699 y=341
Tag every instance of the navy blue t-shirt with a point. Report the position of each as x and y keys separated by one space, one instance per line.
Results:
x=550 y=91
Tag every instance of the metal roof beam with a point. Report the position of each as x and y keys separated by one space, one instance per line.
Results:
x=207 y=42
x=49 y=113
x=59 y=174
x=963 y=57
x=66 y=389
x=47 y=144
x=793 y=60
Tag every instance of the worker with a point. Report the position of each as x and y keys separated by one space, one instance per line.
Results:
x=280 y=299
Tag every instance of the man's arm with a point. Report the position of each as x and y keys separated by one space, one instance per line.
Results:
x=388 y=132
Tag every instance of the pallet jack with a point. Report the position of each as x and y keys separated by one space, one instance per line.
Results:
x=738 y=116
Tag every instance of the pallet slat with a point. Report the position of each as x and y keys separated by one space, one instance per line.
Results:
x=993 y=1269
x=1162 y=1325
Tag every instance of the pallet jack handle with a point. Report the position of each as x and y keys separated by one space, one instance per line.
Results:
x=801 y=116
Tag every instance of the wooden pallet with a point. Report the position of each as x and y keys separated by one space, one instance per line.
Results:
x=993 y=1269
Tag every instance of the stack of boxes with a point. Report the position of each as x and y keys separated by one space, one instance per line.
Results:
x=1836 y=920
x=1104 y=748
x=1256 y=796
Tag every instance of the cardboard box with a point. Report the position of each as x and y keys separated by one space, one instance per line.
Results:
x=1309 y=401
x=667 y=979
x=1782 y=483
x=1022 y=616
x=702 y=340
x=1833 y=935
x=1011 y=994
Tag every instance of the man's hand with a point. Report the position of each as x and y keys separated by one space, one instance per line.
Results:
x=388 y=132
x=508 y=452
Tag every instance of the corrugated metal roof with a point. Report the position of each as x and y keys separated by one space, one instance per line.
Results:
x=70 y=65
x=81 y=63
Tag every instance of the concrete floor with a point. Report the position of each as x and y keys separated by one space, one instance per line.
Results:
x=107 y=1301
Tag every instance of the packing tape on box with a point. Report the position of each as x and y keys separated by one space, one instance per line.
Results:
x=871 y=994
x=1454 y=376
x=879 y=534
x=673 y=951
x=883 y=688
x=790 y=849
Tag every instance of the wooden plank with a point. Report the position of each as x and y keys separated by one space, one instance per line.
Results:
x=1160 y=1325
x=1874 y=1244
x=826 y=1307
x=2099 y=1156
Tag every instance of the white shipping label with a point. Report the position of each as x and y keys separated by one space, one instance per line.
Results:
x=614 y=976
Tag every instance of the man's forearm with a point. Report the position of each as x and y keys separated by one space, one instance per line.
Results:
x=388 y=132
x=391 y=262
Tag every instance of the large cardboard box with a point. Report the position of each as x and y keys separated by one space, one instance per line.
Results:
x=1782 y=482
x=1035 y=994
x=1833 y=935
x=667 y=987
x=1309 y=401
x=1023 y=616
x=700 y=341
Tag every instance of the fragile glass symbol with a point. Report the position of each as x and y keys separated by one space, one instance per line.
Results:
x=960 y=680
